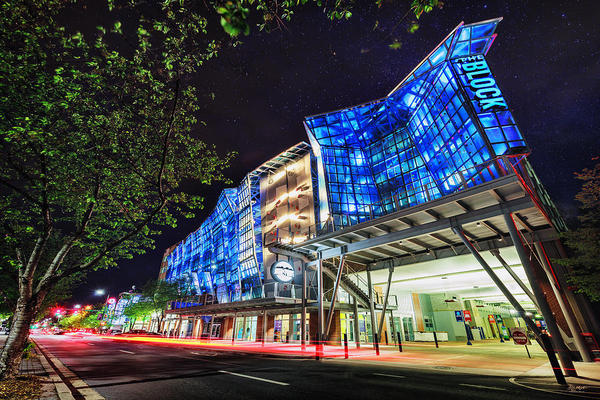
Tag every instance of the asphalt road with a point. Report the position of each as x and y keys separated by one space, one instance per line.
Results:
x=123 y=370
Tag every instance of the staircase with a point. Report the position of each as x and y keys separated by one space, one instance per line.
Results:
x=355 y=286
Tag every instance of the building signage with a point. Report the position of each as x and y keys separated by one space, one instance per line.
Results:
x=282 y=271
x=480 y=80
x=467 y=315
x=458 y=315
x=520 y=336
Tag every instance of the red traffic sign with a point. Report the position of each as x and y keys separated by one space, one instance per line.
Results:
x=467 y=315
x=520 y=336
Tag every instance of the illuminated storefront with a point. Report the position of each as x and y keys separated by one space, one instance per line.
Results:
x=375 y=209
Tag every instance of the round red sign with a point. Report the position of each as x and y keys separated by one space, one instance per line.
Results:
x=520 y=337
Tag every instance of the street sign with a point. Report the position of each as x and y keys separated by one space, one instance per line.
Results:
x=520 y=336
x=467 y=315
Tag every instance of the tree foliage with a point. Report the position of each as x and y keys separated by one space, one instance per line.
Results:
x=80 y=320
x=96 y=130
x=584 y=241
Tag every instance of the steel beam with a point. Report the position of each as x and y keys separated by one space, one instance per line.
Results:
x=566 y=309
x=528 y=321
x=385 y=301
x=319 y=301
x=303 y=314
x=496 y=253
x=356 y=326
x=335 y=290
x=431 y=227
x=371 y=306
x=559 y=344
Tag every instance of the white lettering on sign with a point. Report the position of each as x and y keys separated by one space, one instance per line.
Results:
x=282 y=271
x=482 y=83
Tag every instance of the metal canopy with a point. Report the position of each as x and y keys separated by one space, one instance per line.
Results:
x=291 y=154
x=425 y=231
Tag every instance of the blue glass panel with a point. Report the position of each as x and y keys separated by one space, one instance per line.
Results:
x=438 y=56
x=483 y=30
x=461 y=50
x=495 y=135
x=488 y=120
x=477 y=46
x=464 y=33
x=500 y=148
x=511 y=132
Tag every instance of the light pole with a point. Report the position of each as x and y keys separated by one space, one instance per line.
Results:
x=101 y=292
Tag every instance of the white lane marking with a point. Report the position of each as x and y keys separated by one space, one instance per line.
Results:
x=583 y=395
x=481 y=386
x=390 y=375
x=255 y=378
x=128 y=352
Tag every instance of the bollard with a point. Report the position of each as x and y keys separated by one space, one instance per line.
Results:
x=399 y=342
x=468 y=335
x=317 y=347
x=386 y=338
x=435 y=339
x=345 y=345
x=376 y=342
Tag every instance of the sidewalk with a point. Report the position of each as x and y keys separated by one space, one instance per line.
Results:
x=32 y=366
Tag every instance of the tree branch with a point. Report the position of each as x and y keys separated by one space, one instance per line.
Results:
x=51 y=276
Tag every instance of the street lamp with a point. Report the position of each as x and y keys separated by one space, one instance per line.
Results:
x=99 y=292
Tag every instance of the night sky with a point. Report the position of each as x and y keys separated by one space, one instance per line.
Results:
x=546 y=60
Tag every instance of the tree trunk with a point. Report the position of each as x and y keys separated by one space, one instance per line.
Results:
x=12 y=352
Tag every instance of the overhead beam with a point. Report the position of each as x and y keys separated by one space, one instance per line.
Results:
x=436 y=216
x=523 y=223
x=492 y=228
x=431 y=227
x=419 y=243
x=462 y=205
x=442 y=239
x=499 y=198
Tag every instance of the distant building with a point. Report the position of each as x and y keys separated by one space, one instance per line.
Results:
x=401 y=191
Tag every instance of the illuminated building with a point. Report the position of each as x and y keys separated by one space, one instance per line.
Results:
x=425 y=198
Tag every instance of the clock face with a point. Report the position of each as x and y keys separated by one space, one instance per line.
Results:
x=282 y=271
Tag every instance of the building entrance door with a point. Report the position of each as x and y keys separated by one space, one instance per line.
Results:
x=216 y=331
x=409 y=332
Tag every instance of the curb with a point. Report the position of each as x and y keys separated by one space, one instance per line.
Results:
x=68 y=385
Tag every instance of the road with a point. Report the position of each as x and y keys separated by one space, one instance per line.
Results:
x=124 y=370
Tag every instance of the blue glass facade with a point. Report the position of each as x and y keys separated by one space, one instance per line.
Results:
x=443 y=128
x=224 y=256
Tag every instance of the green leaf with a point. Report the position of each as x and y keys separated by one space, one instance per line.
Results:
x=395 y=45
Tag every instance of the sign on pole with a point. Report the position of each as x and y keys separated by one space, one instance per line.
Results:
x=458 y=315
x=520 y=336
x=467 y=315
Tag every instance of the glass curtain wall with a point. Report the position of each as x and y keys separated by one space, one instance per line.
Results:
x=441 y=129
x=223 y=257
